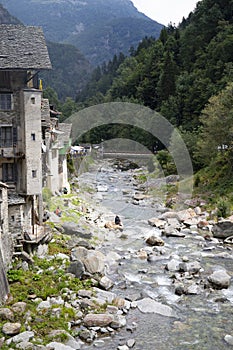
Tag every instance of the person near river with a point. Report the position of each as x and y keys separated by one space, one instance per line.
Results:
x=118 y=220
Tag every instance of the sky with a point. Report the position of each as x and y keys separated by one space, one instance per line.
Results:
x=166 y=11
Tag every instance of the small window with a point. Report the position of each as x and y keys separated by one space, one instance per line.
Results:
x=6 y=101
x=12 y=218
x=6 y=136
x=34 y=173
x=8 y=172
x=33 y=100
x=33 y=135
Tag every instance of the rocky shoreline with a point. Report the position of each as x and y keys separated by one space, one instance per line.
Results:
x=99 y=313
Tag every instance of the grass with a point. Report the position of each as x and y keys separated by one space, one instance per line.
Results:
x=45 y=278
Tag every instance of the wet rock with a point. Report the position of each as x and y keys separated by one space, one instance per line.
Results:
x=142 y=254
x=130 y=343
x=101 y=320
x=173 y=265
x=180 y=289
x=112 y=226
x=11 y=328
x=155 y=222
x=154 y=241
x=191 y=267
x=172 y=232
x=148 y=305
x=219 y=279
x=229 y=240
x=119 y=321
x=86 y=335
x=58 y=346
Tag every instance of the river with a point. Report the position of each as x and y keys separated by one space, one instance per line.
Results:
x=204 y=317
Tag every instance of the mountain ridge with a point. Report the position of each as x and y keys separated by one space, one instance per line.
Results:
x=88 y=24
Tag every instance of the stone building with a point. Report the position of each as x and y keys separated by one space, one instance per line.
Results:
x=23 y=53
x=56 y=143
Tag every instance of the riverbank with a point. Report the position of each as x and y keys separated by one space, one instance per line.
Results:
x=120 y=289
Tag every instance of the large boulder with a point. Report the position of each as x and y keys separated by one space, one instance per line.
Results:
x=223 y=229
x=71 y=228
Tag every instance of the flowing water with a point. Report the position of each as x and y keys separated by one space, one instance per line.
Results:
x=204 y=319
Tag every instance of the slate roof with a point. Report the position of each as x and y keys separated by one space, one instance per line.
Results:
x=23 y=47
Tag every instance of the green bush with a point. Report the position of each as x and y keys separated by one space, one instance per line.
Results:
x=223 y=208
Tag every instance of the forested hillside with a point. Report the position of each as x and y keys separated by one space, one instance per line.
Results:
x=186 y=75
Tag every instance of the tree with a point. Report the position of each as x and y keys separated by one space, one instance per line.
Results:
x=217 y=127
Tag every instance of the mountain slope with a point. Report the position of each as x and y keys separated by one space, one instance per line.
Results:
x=70 y=68
x=6 y=17
x=99 y=28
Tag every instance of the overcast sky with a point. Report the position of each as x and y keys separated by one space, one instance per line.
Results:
x=166 y=11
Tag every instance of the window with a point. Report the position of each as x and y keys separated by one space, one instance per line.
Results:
x=8 y=173
x=34 y=173
x=6 y=136
x=6 y=101
x=33 y=100
x=33 y=137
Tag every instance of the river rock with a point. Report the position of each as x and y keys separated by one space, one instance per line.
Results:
x=112 y=226
x=79 y=253
x=100 y=320
x=155 y=222
x=148 y=305
x=59 y=346
x=19 y=307
x=11 y=328
x=154 y=241
x=71 y=228
x=220 y=279
x=94 y=262
x=223 y=229
x=191 y=267
x=106 y=283
x=173 y=265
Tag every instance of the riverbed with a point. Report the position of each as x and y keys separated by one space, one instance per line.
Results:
x=202 y=319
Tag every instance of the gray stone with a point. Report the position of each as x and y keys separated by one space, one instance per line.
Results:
x=11 y=328
x=106 y=283
x=95 y=262
x=173 y=265
x=222 y=229
x=6 y=314
x=148 y=305
x=76 y=268
x=79 y=253
x=19 y=307
x=58 y=346
x=22 y=337
x=71 y=228
x=130 y=343
x=220 y=279
x=155 y=222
